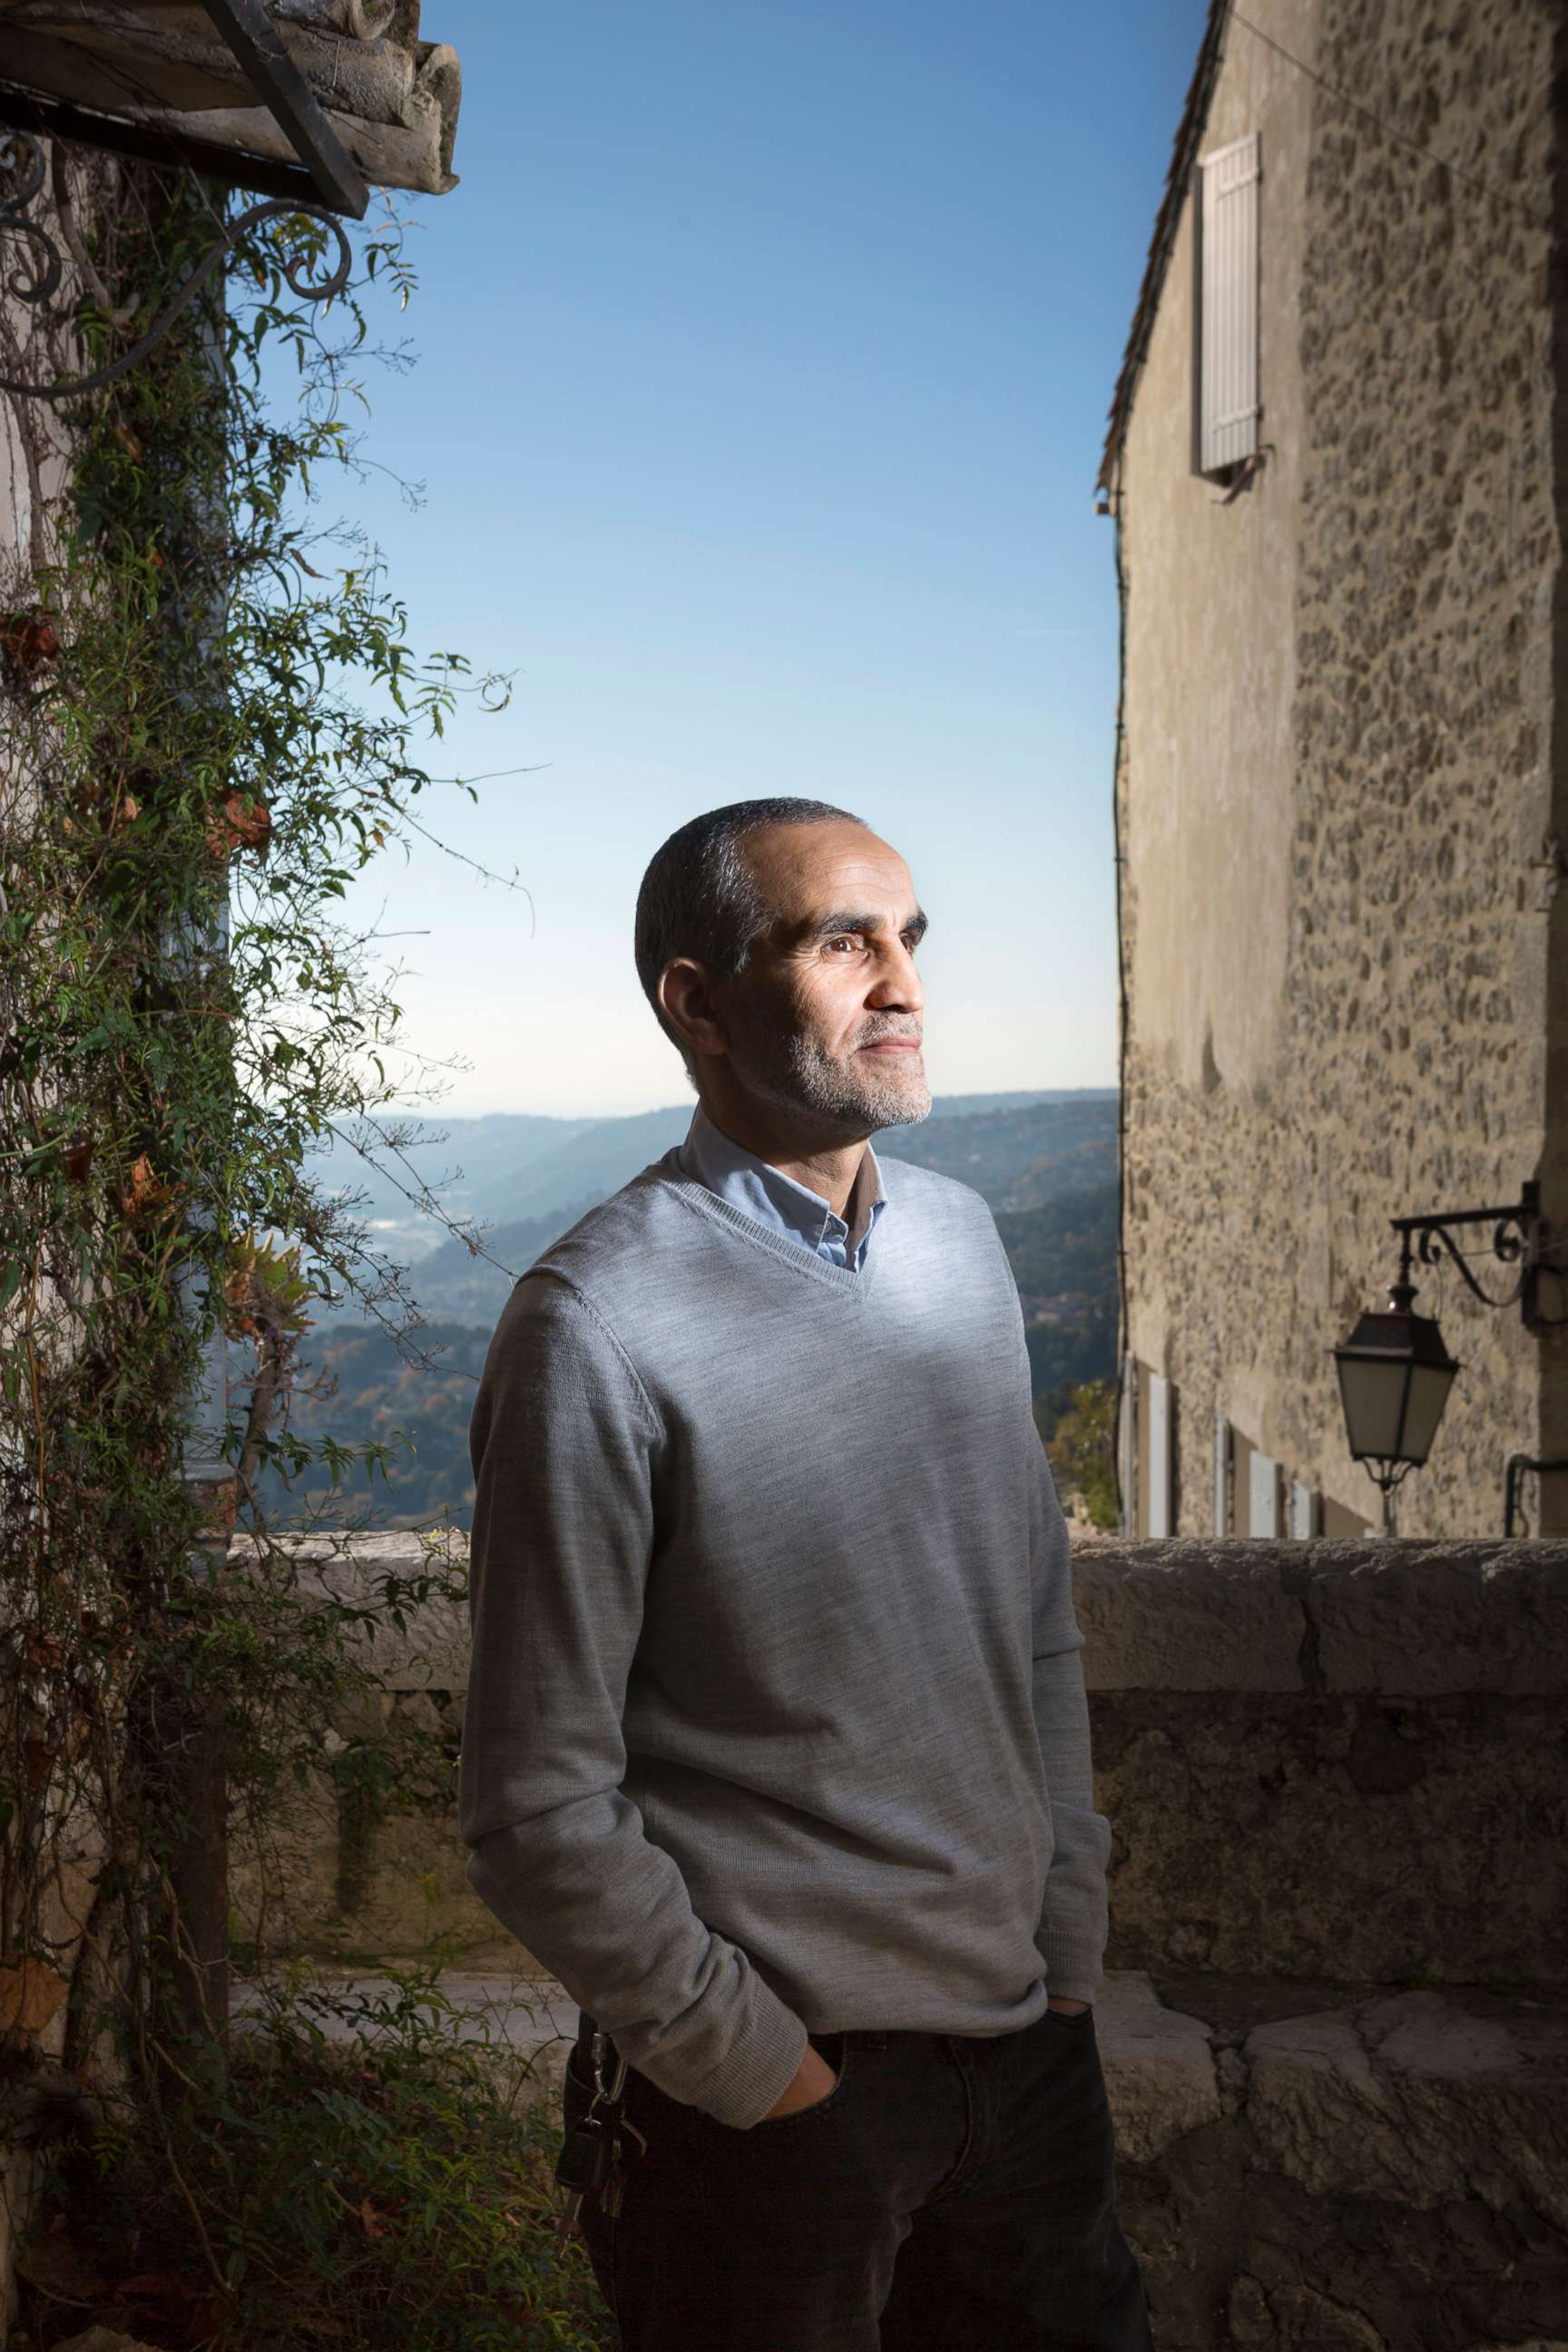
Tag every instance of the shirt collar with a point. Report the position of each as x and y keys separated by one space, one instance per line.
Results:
x=765 y=1192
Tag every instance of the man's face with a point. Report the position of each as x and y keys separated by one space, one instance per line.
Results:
x=829 y=1018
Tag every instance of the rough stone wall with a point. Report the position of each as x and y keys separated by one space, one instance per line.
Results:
x=1302 y=2170
x=1337 y=1760
x=1288 y=1735
x=1352 y=1022
x=1554 y=1155
x=346 y=1880
x=342 y=1879
x=1337 y=1780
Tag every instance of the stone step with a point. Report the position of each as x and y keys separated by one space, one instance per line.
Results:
x=1348 y=2090
x=1303 y=2165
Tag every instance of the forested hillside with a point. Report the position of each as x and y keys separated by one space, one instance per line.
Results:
x=1045 y=1165
x=1021 y=1158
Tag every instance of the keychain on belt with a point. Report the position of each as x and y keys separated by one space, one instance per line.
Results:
x=590 y=2162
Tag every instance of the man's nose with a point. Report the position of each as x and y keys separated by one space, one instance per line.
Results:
x=898 y=982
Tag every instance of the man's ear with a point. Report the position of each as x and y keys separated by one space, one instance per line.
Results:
x=686 y=995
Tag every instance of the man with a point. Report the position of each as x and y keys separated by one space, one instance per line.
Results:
x=776 y=1749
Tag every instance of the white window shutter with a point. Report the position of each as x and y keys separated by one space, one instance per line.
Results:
x=1159 y=1455
x=1127 y=1434
x=1263 y=1513
x=1227 y=306
x=1224 y=1470
x=1305 y=1515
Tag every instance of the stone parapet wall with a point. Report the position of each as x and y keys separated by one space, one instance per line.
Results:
x=1335 y=1761
x=340 y=1879
x=1335 y=2022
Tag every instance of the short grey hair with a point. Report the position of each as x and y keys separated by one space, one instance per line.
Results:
x=701 y=898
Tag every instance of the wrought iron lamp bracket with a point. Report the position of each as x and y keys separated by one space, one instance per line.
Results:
x=40 y=265
x=1517 y=1233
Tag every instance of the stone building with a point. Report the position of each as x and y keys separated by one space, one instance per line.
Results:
x=1337 y=467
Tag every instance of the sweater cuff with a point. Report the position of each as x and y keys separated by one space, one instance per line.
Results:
x=1073 y=1968
x=758 y=2071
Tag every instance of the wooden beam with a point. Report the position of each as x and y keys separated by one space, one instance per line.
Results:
x=54 y=119
x=283 y=89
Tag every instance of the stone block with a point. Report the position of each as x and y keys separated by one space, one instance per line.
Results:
x=1419 y=2098
x=1343 y=1837
x=1158 y=2067
x=1186 y=1615
x=329 y=1882
x=1419 y=1621
x=1385 y=2173
x=431 y=1650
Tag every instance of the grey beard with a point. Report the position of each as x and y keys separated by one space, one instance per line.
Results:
x=851 y=1096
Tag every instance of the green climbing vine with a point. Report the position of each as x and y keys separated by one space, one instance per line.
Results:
x=210 y=716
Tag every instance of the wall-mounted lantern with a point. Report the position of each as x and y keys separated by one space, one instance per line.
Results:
x=1395 y=1378
x=1394 y=1371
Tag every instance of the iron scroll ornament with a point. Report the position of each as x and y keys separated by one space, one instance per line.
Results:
x=1520 y=1237
x=1515 y=1236
x=25 y=155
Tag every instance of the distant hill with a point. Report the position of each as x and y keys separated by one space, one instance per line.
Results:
x=518 y=1169
x=462 y=1161
x=1045 y=1162
x=1017 y=1158
x=455 y=1283
x=586 y=1164
x=592 y=1163
x=1017 y=1155
x=1063 y=1255
x=378 y=1398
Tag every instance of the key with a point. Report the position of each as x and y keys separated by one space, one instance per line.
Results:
x=585 y=2154
x=610 y=2201
x=582 y=2168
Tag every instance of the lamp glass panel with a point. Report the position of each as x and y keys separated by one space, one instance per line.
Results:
x=1429 y=1386
x=1373 y=1391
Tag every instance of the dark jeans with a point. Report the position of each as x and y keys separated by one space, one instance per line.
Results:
x=949 y=2194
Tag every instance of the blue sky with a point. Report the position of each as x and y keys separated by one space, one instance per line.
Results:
x=763 y=356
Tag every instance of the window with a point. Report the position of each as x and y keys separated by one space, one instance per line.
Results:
x=1263 y=1500
x=1306 y=1510
x=1225 y=406
x=1148 y=1451
x=1160 y=1455
x=1223 y=1471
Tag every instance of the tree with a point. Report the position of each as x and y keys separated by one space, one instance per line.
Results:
x=1082 y=1451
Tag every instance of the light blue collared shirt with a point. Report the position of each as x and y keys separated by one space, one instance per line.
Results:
x=773 y=1199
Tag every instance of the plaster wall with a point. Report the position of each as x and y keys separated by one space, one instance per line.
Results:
x=1338 y=756
x=1211 y=674
x=35 y=440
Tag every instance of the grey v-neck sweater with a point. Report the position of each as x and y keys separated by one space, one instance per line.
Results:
x=775 y=1718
